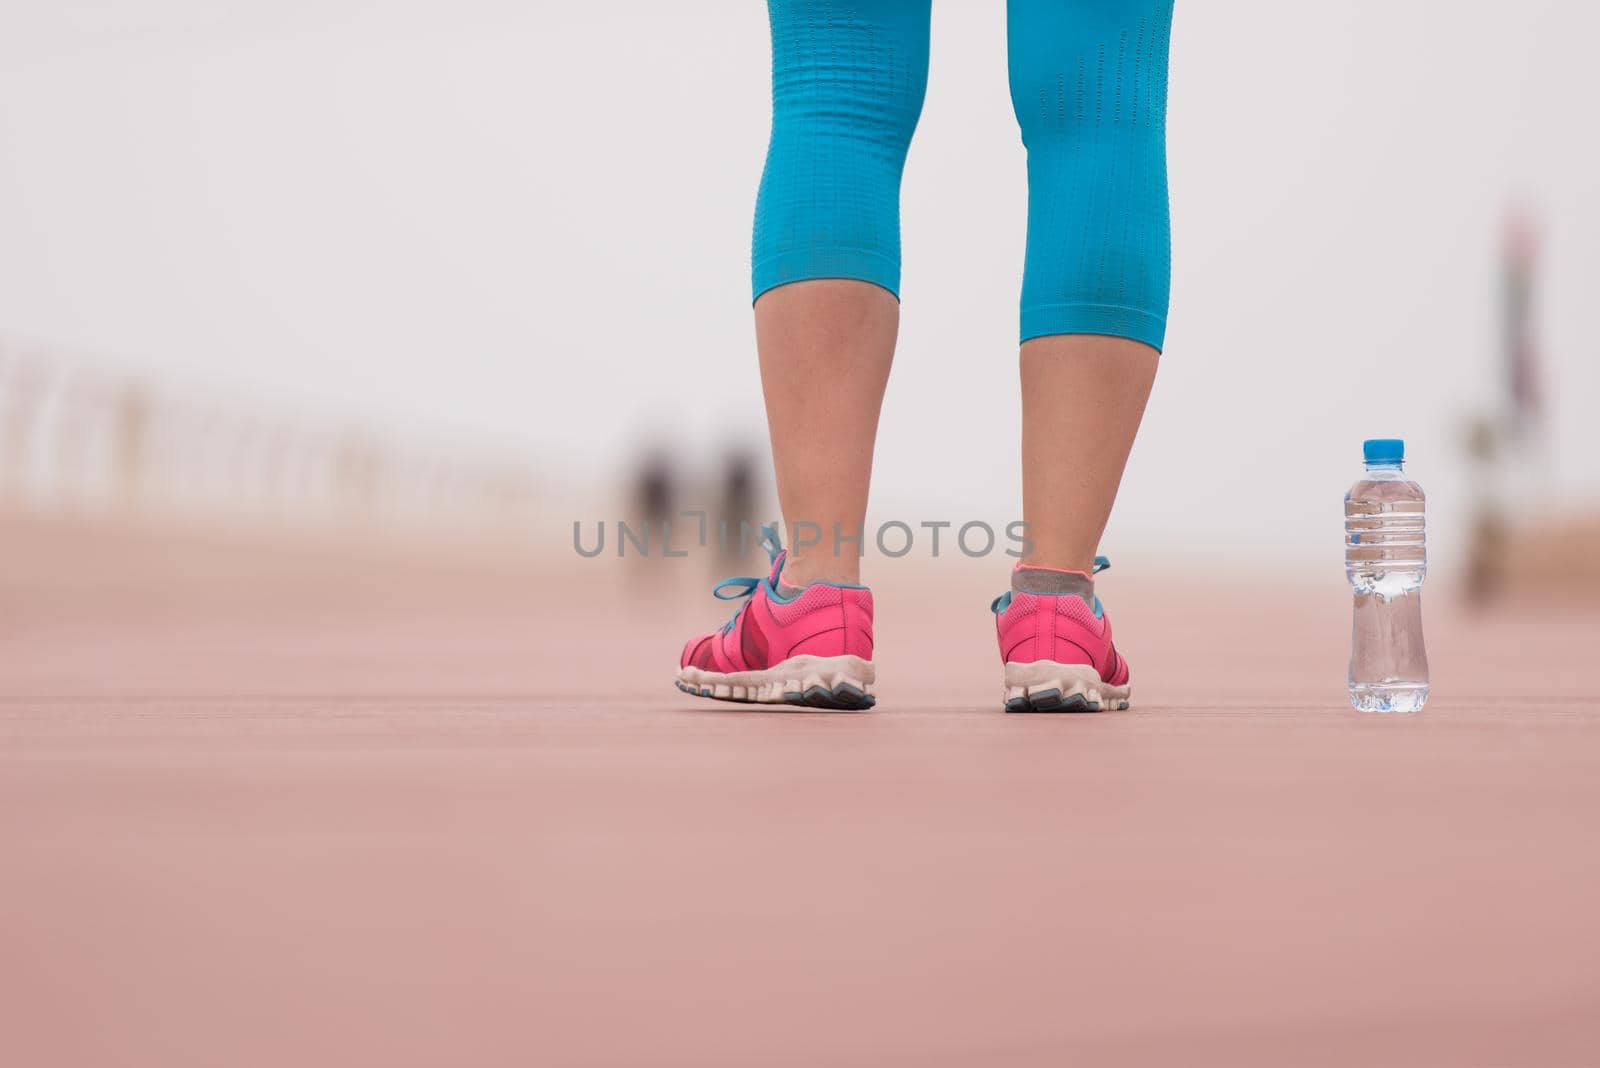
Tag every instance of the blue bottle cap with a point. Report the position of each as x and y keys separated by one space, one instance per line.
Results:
x=1383 y=450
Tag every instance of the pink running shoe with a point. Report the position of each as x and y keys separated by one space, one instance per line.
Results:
x=814 y=649
x=1058 y=654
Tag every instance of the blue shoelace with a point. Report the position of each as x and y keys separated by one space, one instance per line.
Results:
x=745 y=586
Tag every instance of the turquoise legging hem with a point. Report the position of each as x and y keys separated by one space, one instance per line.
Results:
x=1088 y=85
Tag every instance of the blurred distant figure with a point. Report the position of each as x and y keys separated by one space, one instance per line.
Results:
x=1497 y=440
x=1518 y=345
x=1486 y=552
x=734 y=530
x=655 y=500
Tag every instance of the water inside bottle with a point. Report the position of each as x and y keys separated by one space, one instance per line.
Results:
x=1386 y=562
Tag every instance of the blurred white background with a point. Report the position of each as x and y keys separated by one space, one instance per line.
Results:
x=528 y=223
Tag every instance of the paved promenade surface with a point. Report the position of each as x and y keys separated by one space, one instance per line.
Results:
x=305 y=805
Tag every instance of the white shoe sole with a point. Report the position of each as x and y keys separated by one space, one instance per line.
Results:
x=1046 y=686
x=837 y=682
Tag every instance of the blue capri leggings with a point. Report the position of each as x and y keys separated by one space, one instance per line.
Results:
x=1089 y=89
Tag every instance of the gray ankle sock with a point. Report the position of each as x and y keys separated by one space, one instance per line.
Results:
x=788 y=592
x=1050 y=581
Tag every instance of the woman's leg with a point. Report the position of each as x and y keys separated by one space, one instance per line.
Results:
x=848 y=78
x=1082 y=398
x=1089 y=86
x=847 y=84
x=825 y=351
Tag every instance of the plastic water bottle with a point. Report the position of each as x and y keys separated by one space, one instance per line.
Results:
x=1385 y=558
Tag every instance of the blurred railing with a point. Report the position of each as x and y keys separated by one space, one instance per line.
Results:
x=79 y=439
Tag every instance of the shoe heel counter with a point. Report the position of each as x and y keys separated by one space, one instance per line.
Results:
x=1017 y=630
x=840 y=625
x=858 y=623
